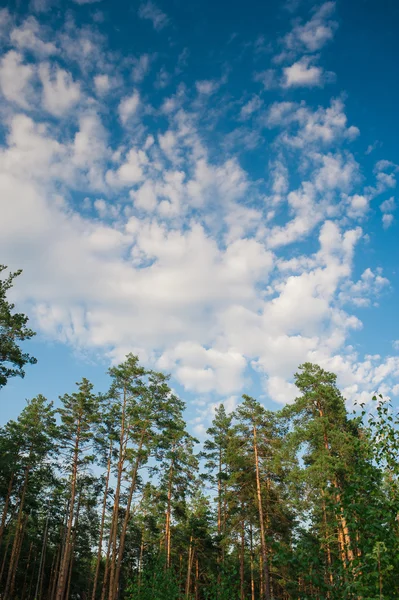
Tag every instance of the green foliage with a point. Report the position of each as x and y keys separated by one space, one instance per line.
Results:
x=13 y=329
x=118 y=478
x=156 y=582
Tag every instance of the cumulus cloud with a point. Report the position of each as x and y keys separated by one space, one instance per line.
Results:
x=60 y=91
x=314 y=34
x=216 y=271
x=28 y=37
x=15 y=79
x=128 y=107
x=302 y=74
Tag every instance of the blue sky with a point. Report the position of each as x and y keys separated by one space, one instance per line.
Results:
x=210 y=185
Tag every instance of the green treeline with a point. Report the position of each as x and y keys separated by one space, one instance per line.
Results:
x=109 y=497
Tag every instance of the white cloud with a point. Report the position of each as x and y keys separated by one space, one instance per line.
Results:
x=128 y=107
x=302 y=74
x=388 y=205
x=15 y=79
x=151 y=12
x=28 y=37
x=60 y=92
x=250 y=107
x=102 y=84
x=387 y=220
x=177 y=251
x=314 y=34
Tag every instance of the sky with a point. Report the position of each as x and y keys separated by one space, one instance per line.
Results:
x=210 y=185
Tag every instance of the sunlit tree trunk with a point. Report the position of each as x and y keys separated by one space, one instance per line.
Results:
x=115 y=513
x=265 y=591
x=68 y=537
x=104 y=510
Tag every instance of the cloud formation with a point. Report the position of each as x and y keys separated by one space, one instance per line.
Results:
x=138 y=230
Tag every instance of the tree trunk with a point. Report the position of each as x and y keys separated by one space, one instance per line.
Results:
x=5 y=509
x=141 y=558
x=41 y=563
x=18 y=553
x=168 y=514
x=27 y=571
x=189 y=567
x=242 y=551
x=328 y=549
x=115 y=512
x=196 y=579
x=265 y=592
x=107 y=563
x=66 y=552
x=252 y=563
x=12 y=567
x=127 y=516
x=104 y=510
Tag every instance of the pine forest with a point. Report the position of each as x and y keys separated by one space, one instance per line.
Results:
x=106 y=495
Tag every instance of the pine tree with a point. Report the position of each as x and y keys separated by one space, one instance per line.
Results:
x=13 y=329
x=78 y=416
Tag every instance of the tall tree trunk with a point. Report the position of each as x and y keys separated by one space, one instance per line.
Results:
x=73 y=541
x=265 y=592
x=107 y=563
x=168 y=513
x=196 y=579
x=252 y=563
x=27 y=571
x=18 y=553
x=115 y=512
x=5 y=508
x=104 y=510
x=127 y=516
x=189 y=567
x=4 y=561
x=328 y=549
x=141 y=558
x=42 y=561
x=242 y=551
x=12 y=567
x=66 y=552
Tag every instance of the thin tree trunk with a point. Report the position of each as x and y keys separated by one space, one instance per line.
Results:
x=5 y=509
x=3 y=564
x=18 y=530
x=27 y=571
x=328 y=549
x=196 y=579
x=265 y=592
x=56 y=571
x=41 y=563
x=72 y=550
x=104 y=510
x=115 y=513
x=50 y=581
x=127 y=516
x=107 y=563
x=189 y=567
x=141 y=558
x=252 y=563
x=168 y=514
x=242 y=551
x=66 y=553
x=18 y=553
